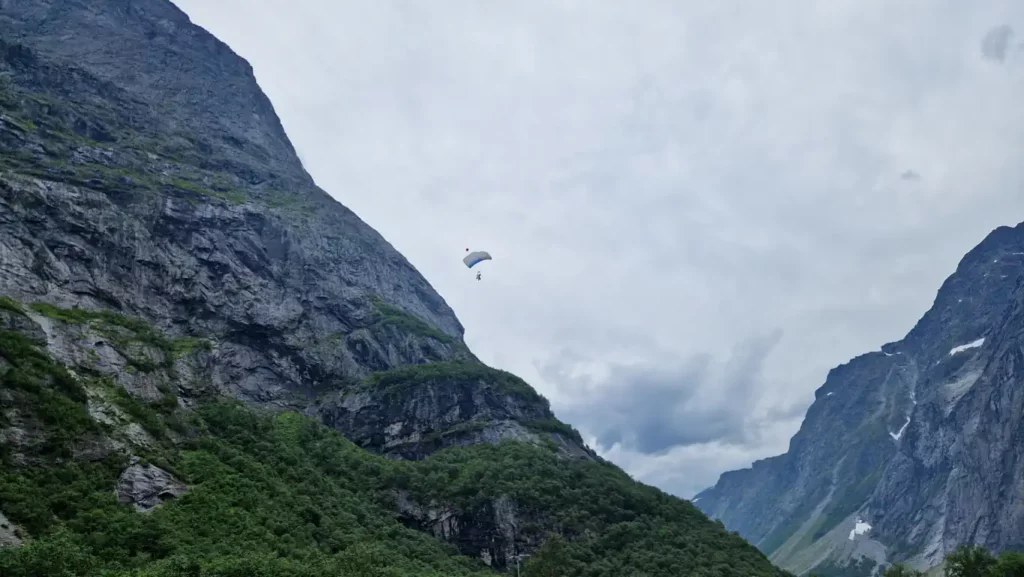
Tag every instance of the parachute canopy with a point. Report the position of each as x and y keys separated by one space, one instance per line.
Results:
x=475 y=257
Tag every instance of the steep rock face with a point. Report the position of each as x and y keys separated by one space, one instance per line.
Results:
x=122 y=371
x=413 y=412
x=910 y=451
x=152 y=51
x=110 y=201
x=490 y=533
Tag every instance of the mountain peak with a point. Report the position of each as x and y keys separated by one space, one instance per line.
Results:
x=902 y=439
x=152 y=50
x=213 y=364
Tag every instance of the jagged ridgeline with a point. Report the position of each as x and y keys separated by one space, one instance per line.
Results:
x=210 y=367
x=908 y=452
x=120 y=455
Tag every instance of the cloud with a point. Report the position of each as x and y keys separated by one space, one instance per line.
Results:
x=653 y=408
x=996 y=43
x=686 y=470
x=659 y=183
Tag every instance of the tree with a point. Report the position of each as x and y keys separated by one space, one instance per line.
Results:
x=970 y=561
x=901 y=570
x=1009 y=565
x=60 y=555
x=553 y=559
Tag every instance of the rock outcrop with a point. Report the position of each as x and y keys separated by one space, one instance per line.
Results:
x=147 y=486
x=8 y=533
x=412 y=412
x=910 y=451
x=489 y=533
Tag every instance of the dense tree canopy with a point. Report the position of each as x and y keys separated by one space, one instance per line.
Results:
x=283 y=495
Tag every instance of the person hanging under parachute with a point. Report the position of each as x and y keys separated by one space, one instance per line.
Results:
x=473 y=258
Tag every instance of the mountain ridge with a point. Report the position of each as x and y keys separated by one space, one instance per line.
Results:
x=893 y=427
x=208 y=366
x=133 y=45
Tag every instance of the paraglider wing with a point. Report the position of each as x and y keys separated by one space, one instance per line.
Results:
x=475 y=257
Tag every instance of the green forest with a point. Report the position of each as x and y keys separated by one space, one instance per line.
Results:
x=970 y=561
x=284 y=495
x=966 y=561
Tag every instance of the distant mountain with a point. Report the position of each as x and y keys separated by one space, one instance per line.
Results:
x=907 y=452
x=190 y=329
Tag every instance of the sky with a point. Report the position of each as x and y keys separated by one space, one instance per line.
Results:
x=695 y=209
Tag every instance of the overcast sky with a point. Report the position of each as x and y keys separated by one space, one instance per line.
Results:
x=695 y=208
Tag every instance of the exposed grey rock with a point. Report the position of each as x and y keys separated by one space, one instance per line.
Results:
x=924 y=438
x=151 y=49
x=18 y=431
x=240 y=314
x=223 y=237
x=95 y=448
x=8 y=533
x=490 y=533
x=415 y=421
x=138 y=436
x=81 y=345
x=440 y=521
x=147 y=486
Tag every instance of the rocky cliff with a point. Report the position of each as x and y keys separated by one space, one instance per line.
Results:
x=151 y=177
x=163 y=250
x=909 y=451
